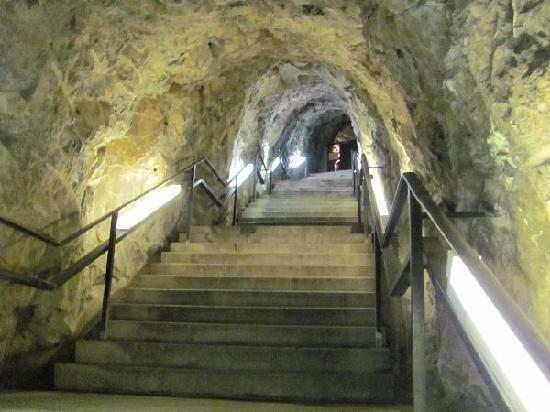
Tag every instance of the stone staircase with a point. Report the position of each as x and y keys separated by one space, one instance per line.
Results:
x=320 y=199
x=250 y=312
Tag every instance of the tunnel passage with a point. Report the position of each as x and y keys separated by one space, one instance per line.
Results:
x=105 y=98
x=314 y=121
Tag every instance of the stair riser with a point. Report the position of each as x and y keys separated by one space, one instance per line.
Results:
x=307 y=199
x=270 y=206
x=251 y=316
x=336 y=209
x=270 y=284
x=290 y=204
x=243 y=334
x=306 y=218
x=245 y=385
x=240 y=248
x=304 y=192
x=297 y=221
x=244 y=298
x=268 y=231
x=248 y=270
x=306 y=214
x=303 y=195
x=322 y=211
x=227 y=357
x=270 y=239
x=261 y=259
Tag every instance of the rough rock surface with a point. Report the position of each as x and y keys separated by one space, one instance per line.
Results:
x=100 y=100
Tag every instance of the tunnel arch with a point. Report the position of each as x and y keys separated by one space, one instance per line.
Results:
x=133 y=87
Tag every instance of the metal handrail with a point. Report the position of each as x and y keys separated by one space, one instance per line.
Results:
x=46 y=239
x=421 y=206
x=116 y=236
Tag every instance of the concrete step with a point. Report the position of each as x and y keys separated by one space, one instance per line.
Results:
x=303 y=218
x=276 y=249
x=316 y=183
x=304 y=202
x=329 y=284
x=227 y=357
x=310 y=199
x=290 y=238
x=348 y=203
x=317 y=189
x=299 y=220
x=258 y=259
x=299 y=214
x=290 y=206
x=302 y=194
x=339 y=190
x=295 y=386
x=300 y=208
x=320 y=229
x=267 y=270
x=334 y=174
x=317 y=180
x=287 y=298
x=253 y=315
x=243 y=334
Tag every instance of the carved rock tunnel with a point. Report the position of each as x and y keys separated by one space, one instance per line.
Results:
x=99 y=101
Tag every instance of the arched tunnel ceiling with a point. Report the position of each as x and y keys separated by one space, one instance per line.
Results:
x=100 y=99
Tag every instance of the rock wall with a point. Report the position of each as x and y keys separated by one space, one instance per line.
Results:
x=100 y=100
x=476 y=77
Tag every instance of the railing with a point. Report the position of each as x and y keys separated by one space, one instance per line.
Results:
x=274 y=175
x=116 y=235
x=421 y=207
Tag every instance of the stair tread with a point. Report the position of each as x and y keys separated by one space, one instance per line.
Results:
x=246 y=384
x=255 y=325
x=216 y=371
x=254 y=308
x=263 y=348
x=312 y=292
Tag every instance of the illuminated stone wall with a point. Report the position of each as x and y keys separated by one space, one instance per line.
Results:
x=100 y=100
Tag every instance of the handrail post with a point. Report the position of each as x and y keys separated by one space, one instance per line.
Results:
x=359 y=218
x=378 y=274
x=235 y=199
x=369 y=219
x=254 y=179
x=305 y=167
x=353 y=175
x=270 y=181
x=109 y=268
x=417 y=302
x=190 y=199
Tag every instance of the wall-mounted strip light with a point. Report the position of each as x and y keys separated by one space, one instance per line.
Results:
x=296 y=161
x=148 y=204
x=523 y=383
x=379 y=195
x=275 y=164
x=244 y=174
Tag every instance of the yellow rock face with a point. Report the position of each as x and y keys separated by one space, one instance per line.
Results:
x=99 y=100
